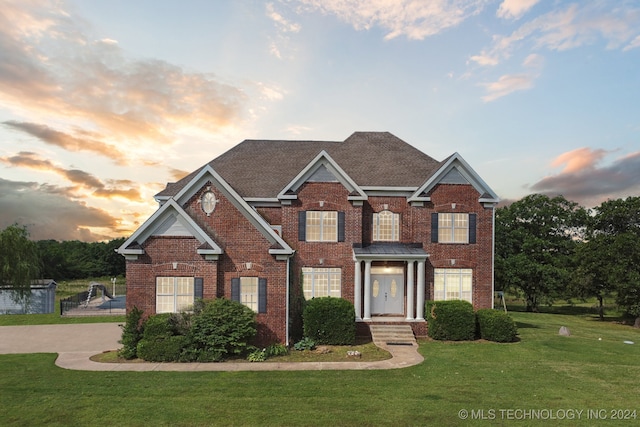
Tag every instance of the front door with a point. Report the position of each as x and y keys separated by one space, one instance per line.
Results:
x=387 y=293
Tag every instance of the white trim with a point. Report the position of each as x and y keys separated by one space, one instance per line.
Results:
x=207 y=173
x=455 y=161
x=146 y=230
x=322 y=159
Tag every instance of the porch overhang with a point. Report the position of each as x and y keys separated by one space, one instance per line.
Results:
x=390 y=252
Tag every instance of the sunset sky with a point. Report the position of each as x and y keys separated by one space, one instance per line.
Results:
x=103 y=102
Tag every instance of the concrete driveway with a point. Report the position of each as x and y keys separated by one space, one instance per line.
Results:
x=75 y=344
x=82 y=337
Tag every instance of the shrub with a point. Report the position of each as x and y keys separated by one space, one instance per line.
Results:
x=162 y=349
x=304 y=344
x=495 y=325
x=452 y=320
x=132 y=332
x=276 y=350
x=158 y=326
x=257 y=356
x=330 y=321
x=220 y=328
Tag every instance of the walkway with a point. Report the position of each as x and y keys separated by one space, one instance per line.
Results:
x=75 y=344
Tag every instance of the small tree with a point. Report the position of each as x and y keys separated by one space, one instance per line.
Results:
x=132 y=333
x=19 y=263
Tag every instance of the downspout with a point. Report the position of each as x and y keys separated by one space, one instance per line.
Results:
x=286 y=331
x=493 y=255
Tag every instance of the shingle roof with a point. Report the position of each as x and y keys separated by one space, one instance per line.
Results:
x=262 y=168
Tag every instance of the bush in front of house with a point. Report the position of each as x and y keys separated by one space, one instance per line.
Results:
x=161 y=340
x=330 y=321
x=495 y=325
x=220 y=328
x=452 y=320
x=132 y=332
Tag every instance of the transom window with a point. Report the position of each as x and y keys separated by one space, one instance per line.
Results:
x=249 y=292
x=386 y=226
x=452 y=284
x=322 y=226
x=453 y=228
x=321 y=282
x=174 y=294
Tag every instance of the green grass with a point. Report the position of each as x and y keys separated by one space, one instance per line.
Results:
x=543 y=371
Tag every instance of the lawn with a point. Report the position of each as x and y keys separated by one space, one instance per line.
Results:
x=542 y=376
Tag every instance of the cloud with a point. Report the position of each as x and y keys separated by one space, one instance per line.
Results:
x=413 y=19
x=573 y=26
x=510 y=83
x=63 y=219
x=69 y=142
x=585 y=181
x=51 y=68
x=514 y=9
x=75 y=176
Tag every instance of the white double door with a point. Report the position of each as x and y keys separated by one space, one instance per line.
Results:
x=387 y=292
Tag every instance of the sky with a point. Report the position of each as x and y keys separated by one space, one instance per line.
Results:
x=104 y=102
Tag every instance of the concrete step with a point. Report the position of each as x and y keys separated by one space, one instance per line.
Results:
x=392 y=334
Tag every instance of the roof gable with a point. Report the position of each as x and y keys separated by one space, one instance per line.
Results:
x=455 y=170
x=325 y=168
x=208 y=174
x=169 y=219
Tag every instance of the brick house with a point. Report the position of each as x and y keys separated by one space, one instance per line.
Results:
x=370 y=219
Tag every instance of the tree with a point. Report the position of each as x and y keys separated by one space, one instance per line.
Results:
x=19 y=262
x=610 y=259
x=535 y=241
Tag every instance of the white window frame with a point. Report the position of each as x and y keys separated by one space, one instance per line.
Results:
x=174 y=294
x=453 y=284
x=321 y=282
x=386 y=226
x=453 y=228
x=321 y=226
x=249 y=292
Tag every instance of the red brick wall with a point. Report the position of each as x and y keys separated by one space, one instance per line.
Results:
x=241 y=242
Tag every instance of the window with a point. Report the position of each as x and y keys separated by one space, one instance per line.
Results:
x=174 y=294
x=321 y=282
x=250 y=291
x=386 y=226
x=453 y=228
x=321 y=226
x=452 y=283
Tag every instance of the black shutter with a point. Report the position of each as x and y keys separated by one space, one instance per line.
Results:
x=434 y=228
x=302 y=226
x=262 y=295
x=472 y=228
x=235 y=289
x=198 y=287
x=340 y=226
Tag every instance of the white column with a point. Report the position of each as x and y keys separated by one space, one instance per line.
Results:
x=367 y=290
x=420 y=296
x=410 y=302
x=357 y=290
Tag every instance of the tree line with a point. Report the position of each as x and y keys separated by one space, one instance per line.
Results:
x=550 y=248
x=23 y=260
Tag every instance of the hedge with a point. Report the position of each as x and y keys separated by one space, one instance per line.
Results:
x=452 y=320
x=495 y=325
x=330 y=321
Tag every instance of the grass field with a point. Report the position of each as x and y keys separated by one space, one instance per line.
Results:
x=543 y=379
